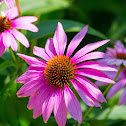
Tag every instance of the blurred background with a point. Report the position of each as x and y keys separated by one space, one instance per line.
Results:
x=106 y=20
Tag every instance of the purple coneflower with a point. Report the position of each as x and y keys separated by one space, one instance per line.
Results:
x=9 y=3
x=117 y=57
x=48 y=81
x=8 y=34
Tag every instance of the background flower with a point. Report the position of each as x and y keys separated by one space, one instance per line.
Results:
x=8 y=33
x=48 y=82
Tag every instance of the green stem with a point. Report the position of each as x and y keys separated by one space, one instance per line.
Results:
x=105 y=92
x=18 y=7
x=13 y=56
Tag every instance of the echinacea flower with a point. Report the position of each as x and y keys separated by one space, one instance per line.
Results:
x=9 y=3
x=8 y=34
x=117 y=55
x=48 y=81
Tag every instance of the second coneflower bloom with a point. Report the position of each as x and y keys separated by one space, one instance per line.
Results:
x=8 y=33
x=48 y=81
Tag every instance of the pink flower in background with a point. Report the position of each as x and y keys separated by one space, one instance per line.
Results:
x=117 y=55
x=9 y=3
x=48 y=81
x=8 y=34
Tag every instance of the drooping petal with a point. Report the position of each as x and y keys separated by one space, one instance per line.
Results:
x=2 y=47
x=72 y=104
x=41 y=53
x=95 y=65
x=76 y=41
x=30 y=87
x=6 y=38
x=60 y=39
x=9 y=3
x=122 y=99
x=22 y=25
x=48 y=105
x=119 y=44
x=31 y=60
x=29 y=75
x=119 y=62
x=93 y=89
x=124 y=63
x=94 y=74
x=111 y=52
x=85 y=95
x=60 y=112
x=112 y=61
x=13 y=42
x=115 y=88
x=88 y=48
x=92 y=55
x=20 y=37
x=36 y=96
x=12 y=13
x=49 y=48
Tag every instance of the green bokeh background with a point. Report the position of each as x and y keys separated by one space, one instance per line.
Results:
x=106 y=19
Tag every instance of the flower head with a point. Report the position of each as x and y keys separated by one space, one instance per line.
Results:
x=117 y=55
x=8 y=34
x=48 y=81
x=9 y=3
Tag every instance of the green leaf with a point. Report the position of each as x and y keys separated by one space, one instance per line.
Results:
x=48 y=27
x=40 y=6
x=6 y=64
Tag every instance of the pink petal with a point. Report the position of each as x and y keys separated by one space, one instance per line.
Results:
x=112 y=61
x=76 y=41
x=12 y=13
x=29 y=75
x=1 y=1
x=48 y=105
x=124 y=63
x=13 y=42
x=40 y=101
x=36 y=67
x=122 y=99
x=94 y=74
x=60 y=112
x=119 y=44
x=60 y=39
x=88 y=48
x=115 y=88
x=94 y=91
x=24 y=25
x=2 y=47
x=31 y=60
x=85 y=95
x=6 y=38
x=95 y=65
x=119 y=62
x=72 y=104
x=9 y=3
x=20 y=37
x=111 y=52
x=49 y=48
x=35 y=97
x=41 y=53
x=30 y=87
x=89 y=56
x=26 y=19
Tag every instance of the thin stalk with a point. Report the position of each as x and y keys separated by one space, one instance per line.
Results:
x=18 y=7
x=13 y=56
x=105 y=92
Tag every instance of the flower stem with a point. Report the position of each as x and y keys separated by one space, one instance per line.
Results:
x=13 y=56
x=18 y=7
x=105 y=92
